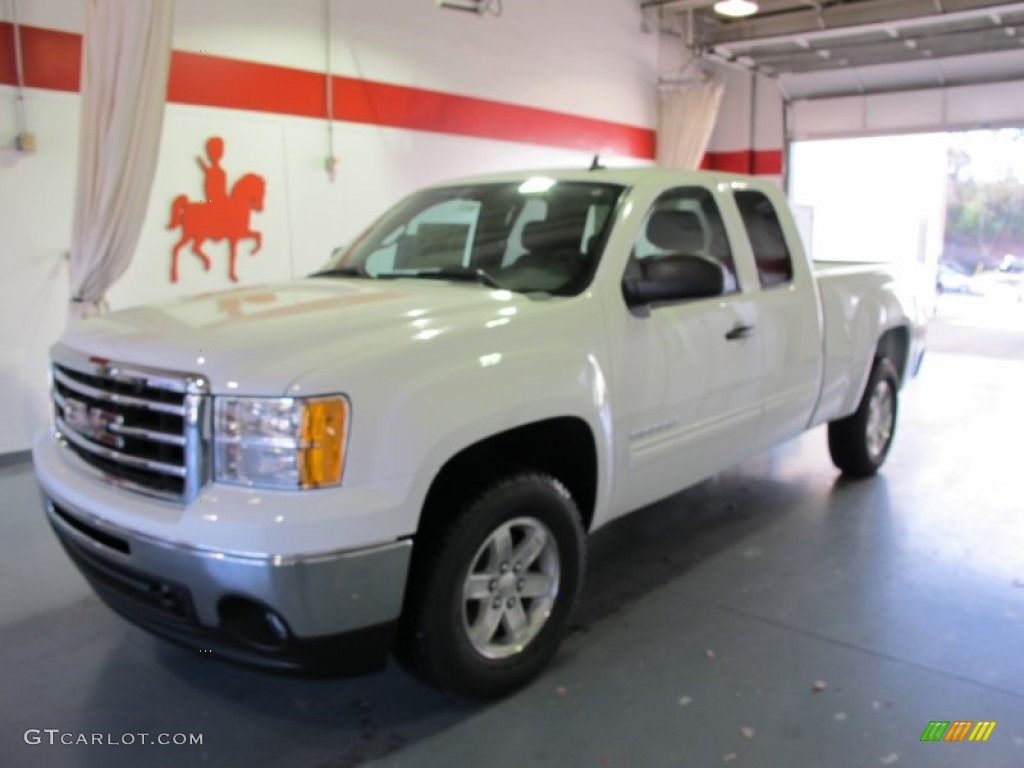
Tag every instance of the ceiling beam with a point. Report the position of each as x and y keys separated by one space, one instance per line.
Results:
x=869 y=51
x=840 y=18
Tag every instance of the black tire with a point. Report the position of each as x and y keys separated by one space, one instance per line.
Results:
x=860 y=443
x=445 y=636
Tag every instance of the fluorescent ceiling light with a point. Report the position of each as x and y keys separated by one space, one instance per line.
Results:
x=736 y=8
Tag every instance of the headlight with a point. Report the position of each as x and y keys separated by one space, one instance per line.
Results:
x=285 y=442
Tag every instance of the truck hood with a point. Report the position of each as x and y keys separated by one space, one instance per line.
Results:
x=258 y=340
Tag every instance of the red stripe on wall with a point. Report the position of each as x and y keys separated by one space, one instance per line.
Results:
x=52 y=60
x=7 y=73
x=759 y=162
x=213 y=81
x=363 y=101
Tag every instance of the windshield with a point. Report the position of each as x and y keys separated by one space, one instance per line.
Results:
x=536 y=235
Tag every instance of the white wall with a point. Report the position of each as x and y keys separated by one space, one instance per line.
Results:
x=36 y=203
x=748 y=136
x=587 y=57
x=750 y=128
x=751 y=116
x=582 y=57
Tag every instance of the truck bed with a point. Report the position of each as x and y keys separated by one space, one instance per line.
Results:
x=850 y=325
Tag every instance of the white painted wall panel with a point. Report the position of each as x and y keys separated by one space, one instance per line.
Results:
x=65 y=15
x=586 y=56
x=36 y=203
x=768 y=119
x=733 y=130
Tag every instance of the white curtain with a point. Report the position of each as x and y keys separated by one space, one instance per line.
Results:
x=126 y=58
x=686 y=116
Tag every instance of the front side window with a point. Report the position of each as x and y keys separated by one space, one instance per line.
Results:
x=540 y=235
x=686 y=221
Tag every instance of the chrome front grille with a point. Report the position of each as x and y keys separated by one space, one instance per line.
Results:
x=143 y=429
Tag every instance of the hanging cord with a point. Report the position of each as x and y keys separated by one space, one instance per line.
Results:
x=19 y=98
x=331 y=161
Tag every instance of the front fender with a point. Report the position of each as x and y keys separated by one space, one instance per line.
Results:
x=417 y=406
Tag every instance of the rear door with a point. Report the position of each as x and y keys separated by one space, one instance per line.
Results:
x=788 y=326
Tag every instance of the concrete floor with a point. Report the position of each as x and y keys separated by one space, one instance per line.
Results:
x=706 y=621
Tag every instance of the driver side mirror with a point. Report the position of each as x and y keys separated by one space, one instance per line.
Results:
x=674 y=277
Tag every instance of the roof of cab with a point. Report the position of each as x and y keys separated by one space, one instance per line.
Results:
x=625 y=176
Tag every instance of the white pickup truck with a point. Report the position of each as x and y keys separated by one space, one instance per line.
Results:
x=406 y=451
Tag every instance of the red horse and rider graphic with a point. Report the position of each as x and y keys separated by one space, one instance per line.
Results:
x=220 y=215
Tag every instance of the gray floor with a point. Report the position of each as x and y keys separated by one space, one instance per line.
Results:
x=706 y=621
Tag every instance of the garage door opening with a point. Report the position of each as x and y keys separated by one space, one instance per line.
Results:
x=947 y=206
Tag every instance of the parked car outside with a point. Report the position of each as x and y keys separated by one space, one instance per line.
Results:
x=1012 y=264
x=1005 y=282
x=949 y=280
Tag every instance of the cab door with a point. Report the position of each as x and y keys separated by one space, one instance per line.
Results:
x=690 y=371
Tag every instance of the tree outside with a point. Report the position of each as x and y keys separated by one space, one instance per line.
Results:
x=984 y=201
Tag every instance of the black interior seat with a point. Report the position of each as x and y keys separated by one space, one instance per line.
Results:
x=676 y=232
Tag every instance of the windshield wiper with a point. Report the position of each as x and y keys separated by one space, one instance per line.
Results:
x=469 y=274
x=357 y=270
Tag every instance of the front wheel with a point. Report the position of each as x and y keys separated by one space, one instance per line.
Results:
x=860 y=442
x=490 y=600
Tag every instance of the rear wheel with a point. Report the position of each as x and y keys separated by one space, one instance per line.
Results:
x=860 y=443
x=490 y=600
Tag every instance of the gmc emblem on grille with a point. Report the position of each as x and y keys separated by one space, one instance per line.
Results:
x=92 y=422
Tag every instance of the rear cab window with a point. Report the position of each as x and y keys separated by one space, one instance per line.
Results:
x=767 y=240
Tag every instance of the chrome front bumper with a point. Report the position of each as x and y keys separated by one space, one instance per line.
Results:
x=332 y=613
